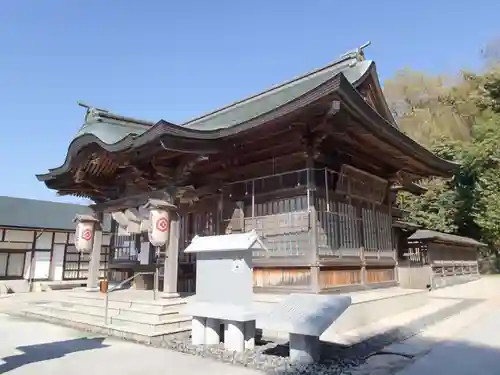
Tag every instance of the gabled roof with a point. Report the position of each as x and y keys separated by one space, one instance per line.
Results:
x=254 y=106
x=32 y=213
x=110 y=128
x=115 y=133
x=430 y=235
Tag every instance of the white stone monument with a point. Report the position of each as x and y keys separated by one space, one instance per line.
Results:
x=224 y=290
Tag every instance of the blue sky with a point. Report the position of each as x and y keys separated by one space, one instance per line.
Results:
x=178 y=59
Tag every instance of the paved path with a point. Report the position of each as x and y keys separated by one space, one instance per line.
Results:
x=33 y=348
x=476 y=350
x=468 y=343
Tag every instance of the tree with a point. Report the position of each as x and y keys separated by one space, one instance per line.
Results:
x=421 y=104
x=459 y=120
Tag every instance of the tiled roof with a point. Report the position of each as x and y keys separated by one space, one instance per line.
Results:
x=32 y=213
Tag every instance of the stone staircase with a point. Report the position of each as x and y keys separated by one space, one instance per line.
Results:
x=143 y=321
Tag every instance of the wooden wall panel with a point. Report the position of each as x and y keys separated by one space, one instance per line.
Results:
x=273 y=277
x=380 y=275
x=334 y=277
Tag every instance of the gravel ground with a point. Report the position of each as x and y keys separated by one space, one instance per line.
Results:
x=272 y=357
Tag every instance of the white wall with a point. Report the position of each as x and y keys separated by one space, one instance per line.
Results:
x=56 y=267
x=42 y=265
x=49 y=252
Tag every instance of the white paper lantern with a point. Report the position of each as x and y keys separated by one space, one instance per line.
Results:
x=159 y=227
x=84 y=236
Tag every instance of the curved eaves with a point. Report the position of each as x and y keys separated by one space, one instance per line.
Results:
x=389 y=133
x=165 y=129
x=387 y=110
x=77 y=145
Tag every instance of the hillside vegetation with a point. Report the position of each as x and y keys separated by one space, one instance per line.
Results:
x=458 y=118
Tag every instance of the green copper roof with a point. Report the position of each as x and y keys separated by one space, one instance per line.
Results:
x=115 y=133
x=265 y=102
x=110 y=128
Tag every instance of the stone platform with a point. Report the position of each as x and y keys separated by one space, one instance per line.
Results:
x=134 y=315
x=366 y=309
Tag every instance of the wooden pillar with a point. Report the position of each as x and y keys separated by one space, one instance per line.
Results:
x=171 y=263
x=315 y=268
x=95 y=256
x=313 y=222
x=362 y=240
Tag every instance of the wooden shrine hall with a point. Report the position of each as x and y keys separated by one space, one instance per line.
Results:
x=309 y=164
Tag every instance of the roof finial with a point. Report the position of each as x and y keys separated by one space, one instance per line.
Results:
x=360 y=51
x=92 y=112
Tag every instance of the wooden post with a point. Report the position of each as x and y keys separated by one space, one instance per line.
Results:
x=95 y=256
x=171 y=262
x=315 y=269
x=313 y=222
x=111 y=249
x=241 y=205
x=361 y=237
x=363 y=266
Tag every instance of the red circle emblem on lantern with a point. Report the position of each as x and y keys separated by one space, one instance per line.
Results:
x=162 y=224
x=87 y=234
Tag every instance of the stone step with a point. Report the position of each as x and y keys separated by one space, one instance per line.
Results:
x=126 y=312
x=154 y=307
x=144 y=322
x=96 y=325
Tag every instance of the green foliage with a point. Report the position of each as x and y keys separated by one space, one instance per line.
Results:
x=458 y=120
x=435 y=209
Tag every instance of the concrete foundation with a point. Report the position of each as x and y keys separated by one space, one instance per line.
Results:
x=249 y=334
x=198 y=330
x=212 y=329
x=234 y=338
x=238 y=336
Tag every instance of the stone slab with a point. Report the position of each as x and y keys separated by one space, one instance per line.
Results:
x=304 y=314
x=220 y=311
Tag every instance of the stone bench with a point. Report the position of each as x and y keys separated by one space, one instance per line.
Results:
x=304 y=317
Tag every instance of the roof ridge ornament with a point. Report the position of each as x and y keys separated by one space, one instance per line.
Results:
x=358 y=53
x=92 y=112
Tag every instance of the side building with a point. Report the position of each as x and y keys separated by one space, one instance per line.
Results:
x=37 y=245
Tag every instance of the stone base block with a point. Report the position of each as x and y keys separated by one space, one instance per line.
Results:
x=249 y=334
x=304 y=349
x=212 y=329
x=198 y=330
x=234 y=339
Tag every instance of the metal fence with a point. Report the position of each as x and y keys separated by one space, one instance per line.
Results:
x=279 y=206
x=285 y=235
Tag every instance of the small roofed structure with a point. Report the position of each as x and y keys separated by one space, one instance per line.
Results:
x=436 y=259
x=224 y=289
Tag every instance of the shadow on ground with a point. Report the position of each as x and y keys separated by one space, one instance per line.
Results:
x=393 y=350
x=415 y=357
x=48 y=351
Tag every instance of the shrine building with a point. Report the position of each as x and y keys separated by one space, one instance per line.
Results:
x=312 y=165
